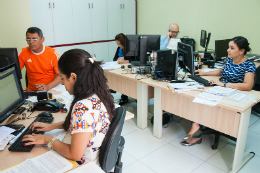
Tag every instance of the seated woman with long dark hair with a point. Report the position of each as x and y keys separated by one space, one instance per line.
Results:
x=90 y=113
x=238 y=73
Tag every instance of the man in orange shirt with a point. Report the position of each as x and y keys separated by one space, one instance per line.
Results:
x=41 y=62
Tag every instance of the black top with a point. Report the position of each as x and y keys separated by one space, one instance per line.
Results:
x=130 y=58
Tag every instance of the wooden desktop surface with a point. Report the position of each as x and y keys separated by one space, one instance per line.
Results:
x=9 y=158
x=126 y=83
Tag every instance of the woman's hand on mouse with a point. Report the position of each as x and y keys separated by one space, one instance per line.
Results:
x=36 y=139
x=199 y=73
x=42 y=127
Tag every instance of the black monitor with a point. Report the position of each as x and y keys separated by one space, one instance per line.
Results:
x=185 y=57
x=11 y=93
x=9 y=56
x=204 y=40
x=221 y=47
x=139 y=45
x=166 y=64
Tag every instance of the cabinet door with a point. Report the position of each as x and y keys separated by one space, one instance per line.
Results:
x=86 y=47
x=41 y=12
x=112 y=46
x=99 y=20
x=114 y=18
x=101 y=51
x=62 y=21
x=129 y=13
x=82 y=20
x=63 y=49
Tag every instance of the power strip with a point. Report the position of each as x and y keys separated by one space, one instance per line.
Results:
x=141 y=69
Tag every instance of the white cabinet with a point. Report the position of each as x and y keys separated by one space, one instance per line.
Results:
x=121 y=17
x=54 y=18
x=101 y=51
x=112 y=47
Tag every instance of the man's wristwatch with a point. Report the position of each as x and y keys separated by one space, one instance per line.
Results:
x=225 y=84
x=51 y=142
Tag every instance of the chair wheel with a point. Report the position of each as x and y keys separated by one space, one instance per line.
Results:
x=214 y=147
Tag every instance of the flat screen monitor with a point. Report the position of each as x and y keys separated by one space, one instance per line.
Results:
x=221 y=47
x=9 y=56
x=185 y=57
x=204 y=39
x=11 y=92
x=139 y=45
x=166 y=64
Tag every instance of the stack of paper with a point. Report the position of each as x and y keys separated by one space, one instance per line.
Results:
x=213 y=95
x=185 y=87
x=110 y=65
x=87 y=168
x=5 y=136
x=51 y=162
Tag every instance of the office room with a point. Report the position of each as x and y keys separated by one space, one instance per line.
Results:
x=143 y=152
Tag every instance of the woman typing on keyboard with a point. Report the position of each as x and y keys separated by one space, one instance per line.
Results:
x=238 y=72
x=90 y=113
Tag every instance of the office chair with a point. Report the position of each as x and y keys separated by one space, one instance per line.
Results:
x=113 y=144
x=255 y=108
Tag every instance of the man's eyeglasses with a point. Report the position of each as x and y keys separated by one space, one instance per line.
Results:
x=32 y=39
x=174 y=32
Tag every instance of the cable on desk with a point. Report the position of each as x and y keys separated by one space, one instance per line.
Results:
x=158 y=73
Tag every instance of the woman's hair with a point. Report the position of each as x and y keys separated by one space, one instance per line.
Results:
x=121 y=38
x=242 y=43
x=90 y=80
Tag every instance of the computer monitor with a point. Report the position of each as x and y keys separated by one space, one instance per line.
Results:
x=185 y=57
x=166 y=64
x=11 y=93
x=204 y=40
x=139 y=45
x=9 y=56
x=221 y=47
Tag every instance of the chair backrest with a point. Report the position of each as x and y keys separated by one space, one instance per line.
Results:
x=109 y=148
x=257 y=79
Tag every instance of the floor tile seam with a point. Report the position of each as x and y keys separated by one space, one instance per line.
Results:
x=130 y=132
x=216 y=167
x=253 y=123
x=187 y=152
x=254 y=132
x=198 y=166
x=151 y=152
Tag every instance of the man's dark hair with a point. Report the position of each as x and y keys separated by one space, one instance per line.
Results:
x=33 y=30
x=90 y=80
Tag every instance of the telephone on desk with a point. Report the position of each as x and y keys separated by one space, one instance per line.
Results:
x=48 y=106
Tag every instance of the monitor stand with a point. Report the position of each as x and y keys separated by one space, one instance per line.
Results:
x=9 y=119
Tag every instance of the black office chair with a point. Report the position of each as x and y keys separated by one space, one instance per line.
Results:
x=113 y=144
x=255 y=108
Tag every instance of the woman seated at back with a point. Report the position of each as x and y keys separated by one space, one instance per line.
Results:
x=90 y=113
x=238 y=73
x=121 y=59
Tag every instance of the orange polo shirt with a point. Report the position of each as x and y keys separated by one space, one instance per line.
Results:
x=40 y=67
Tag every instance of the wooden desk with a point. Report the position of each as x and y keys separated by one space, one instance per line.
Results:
x=127 y=84
x=9 y=158
x=227 y=119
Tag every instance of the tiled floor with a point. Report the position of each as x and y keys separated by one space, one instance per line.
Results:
x=145 y=153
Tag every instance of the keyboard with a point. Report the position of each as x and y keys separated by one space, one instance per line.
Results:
x=18 y=144
x=201 y=80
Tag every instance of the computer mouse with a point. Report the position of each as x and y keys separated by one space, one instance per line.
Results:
x=45 y=114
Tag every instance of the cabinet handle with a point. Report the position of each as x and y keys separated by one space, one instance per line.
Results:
x=53 y=5
x=49 y=5
x=123 y=6
x=92 y=5
x=120 y=6
x=88 y=5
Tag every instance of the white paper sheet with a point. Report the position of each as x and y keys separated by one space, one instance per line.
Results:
x=49 y=162
x=110 y=65
x=87 y=168
x=60 y=88
x=173 y=43
x=238 y=96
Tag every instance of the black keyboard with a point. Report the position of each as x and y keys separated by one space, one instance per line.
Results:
x=201 y=80
x=18 y=144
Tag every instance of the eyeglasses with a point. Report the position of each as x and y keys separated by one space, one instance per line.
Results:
x=32 y=39
x=174 y=32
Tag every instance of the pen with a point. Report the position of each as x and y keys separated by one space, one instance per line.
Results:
x=171 y=89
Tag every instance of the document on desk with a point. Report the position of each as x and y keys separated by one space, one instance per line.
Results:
x=87 y=168
x=49 y=162
x=186 y=87
x=173 y=43
x=110 y=65
x=5 y=136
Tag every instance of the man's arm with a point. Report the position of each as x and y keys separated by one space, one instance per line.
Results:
x=56 y=81
x=164 y=42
